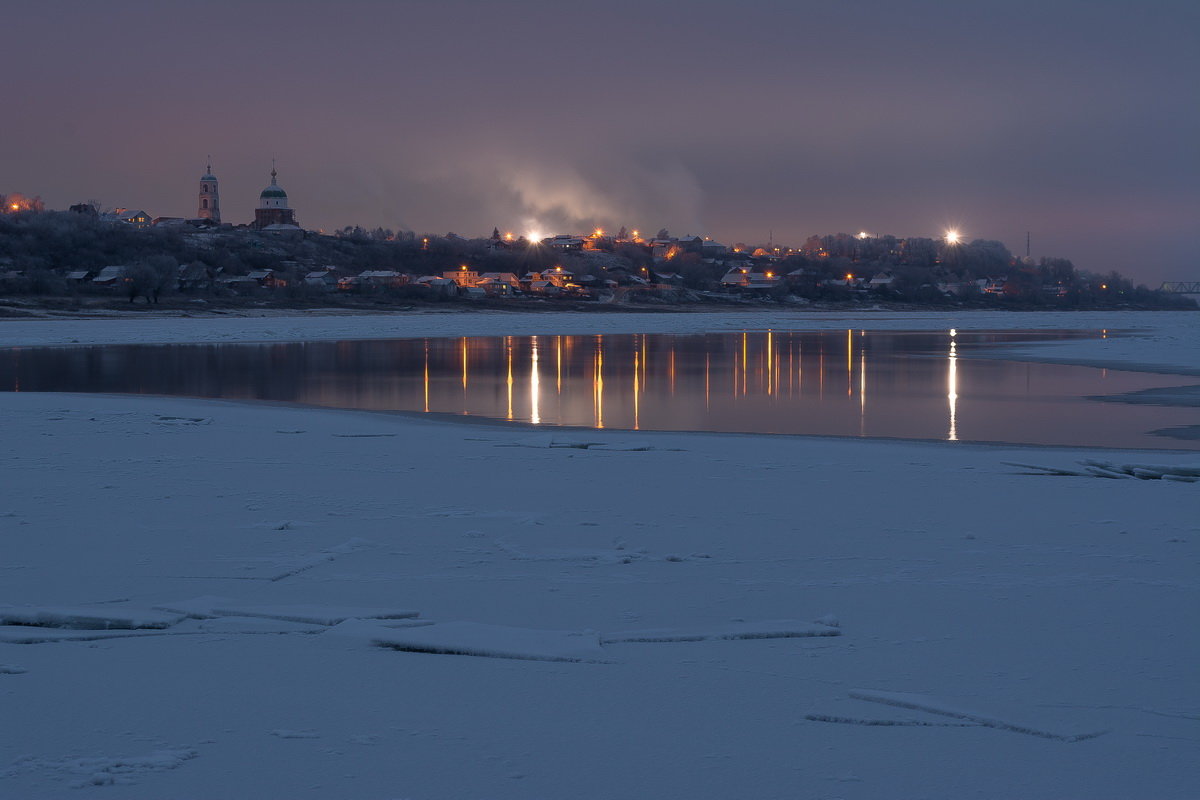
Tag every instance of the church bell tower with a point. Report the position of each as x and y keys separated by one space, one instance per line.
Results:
x=209 y=206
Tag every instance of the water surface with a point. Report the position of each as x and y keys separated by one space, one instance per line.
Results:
x=848 y=383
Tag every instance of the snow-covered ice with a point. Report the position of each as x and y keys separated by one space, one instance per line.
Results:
x=975 y=603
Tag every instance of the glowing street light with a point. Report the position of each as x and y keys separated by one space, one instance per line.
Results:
x=864 y=235
x=953 y=237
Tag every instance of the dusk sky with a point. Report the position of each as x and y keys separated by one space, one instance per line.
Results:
x=1077 y=121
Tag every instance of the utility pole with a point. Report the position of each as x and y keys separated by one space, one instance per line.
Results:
x=1027 y=236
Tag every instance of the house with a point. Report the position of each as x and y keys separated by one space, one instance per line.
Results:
x=735 y=278
x=195 y=276
x=498 y=283
x=110 y=276
x=436 y=285
x=564 y=242
x=389 y=278
x=762 y=281
x=881 y=281
x=266 y=278
x=544 y=287
x=321 y=279
x=284 y=230
x=558 y=277
x=742 y=279
x=463 y=276
x=508 y=278
x=78 y=276
x=135 y=218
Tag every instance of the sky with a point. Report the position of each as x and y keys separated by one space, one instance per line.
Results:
x=1076 y=122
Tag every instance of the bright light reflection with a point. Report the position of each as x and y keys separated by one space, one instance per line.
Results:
x=952 y=390
x=558 y=364
x=464 y=363
x=770 y=362
x=862 y=383
x=508 y=346
x=598 y=383
x=849 y=363
x=535 y=415
x=636 y=392
x=707 y=378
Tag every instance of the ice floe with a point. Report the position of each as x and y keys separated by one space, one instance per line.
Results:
x=933 y=705
x=493 y=641
x=107 y=617
x=314 y=614
x=768 y=629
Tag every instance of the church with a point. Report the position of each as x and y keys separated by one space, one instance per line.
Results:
x=272 y=214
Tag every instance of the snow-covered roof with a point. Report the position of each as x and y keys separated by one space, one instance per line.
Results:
x=110 y=274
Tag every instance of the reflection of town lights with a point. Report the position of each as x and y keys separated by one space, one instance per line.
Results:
x=952 y=237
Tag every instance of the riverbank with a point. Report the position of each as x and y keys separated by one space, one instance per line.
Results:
x=748 y=616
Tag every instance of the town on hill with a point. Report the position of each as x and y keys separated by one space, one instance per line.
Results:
x=93 y=257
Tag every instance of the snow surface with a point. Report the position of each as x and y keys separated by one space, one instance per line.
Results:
x=991 y=621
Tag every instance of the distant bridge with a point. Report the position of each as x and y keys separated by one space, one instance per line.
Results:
x=1181 y=287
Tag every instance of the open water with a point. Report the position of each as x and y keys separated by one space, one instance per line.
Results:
x=848 y=383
